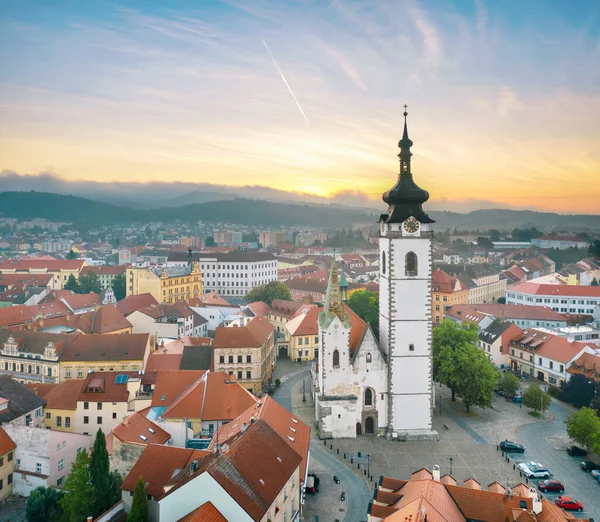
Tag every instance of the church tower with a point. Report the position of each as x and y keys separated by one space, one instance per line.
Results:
x=405 y=237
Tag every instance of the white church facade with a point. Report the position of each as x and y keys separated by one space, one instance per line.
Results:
x=365 y=386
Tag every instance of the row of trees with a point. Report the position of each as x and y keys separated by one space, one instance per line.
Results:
x=90 y=282
x=267 y=293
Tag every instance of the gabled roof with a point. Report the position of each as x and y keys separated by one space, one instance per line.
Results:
x=214 y=396
x=171 y=383
x=105 y=387
x=259 y=308
x=255 y=468
x=20 y=399
x=157 y=465
x=290 y=428
x=51 y=265
x=156 y=311
x=34 y=343
x=197 y=358
x=305 y=324
x=6 y=443
x=205 y=513
x=131 y=303
x=137 y=429
x=63 y=396
x=254 y=335
x=587 y=364
x=557 y=290
x=508 y=311
x=558 y=348
x=94 y=347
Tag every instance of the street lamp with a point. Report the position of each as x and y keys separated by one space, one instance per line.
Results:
x=451 y=459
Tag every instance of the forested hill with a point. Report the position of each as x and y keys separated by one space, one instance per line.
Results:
x=56 y=207
x=256 y=212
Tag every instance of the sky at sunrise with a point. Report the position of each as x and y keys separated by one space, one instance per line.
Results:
x=307 y=95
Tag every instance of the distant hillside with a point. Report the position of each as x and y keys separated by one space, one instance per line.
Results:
x=194 y=197
x=256 y=212
x=88 y=213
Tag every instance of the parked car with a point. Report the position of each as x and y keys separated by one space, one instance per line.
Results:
x=568 y=503
x=534 y=470
x=576 y=451
x=588 y=465
x=551 y=485
x=500 y=392
x=509 y=445
x=517 y=399
x=596 y=473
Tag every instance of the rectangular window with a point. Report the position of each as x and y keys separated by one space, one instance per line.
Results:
x=239 y=374
x=60 y=482
x=1 y=461
x=67 y=422
x=248 y=374
x=562 y=368
x=231 y=358
x=86 y=405
x=58 y=421
x=114 y=415
x=86 y=420
x=61 y=464
x=551 y=365
x=9 y=479
x=222 y=359
x=99 y=406
x=48 y=415
x=38 y=468
x=248 y=358
x=240 y=358
x=98 y=420
x=299 y=341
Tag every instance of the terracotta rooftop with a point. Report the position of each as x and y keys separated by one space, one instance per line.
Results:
x=444 y=501
x=6 y=443
x=588 y=364
x=508 y=311
x=105 y=269
x=214 y=396
x=51 y=265
x=205 y=513
x=63 y=396
x=105 y=387
x=34 y=343
x=157 y=465
x=137 y=429
x=305 y=324
x=157 y=311
x=254 y=335
x=131 y=303
x=557 y=290
x=292 y=430
x=255 y=468
x=259 y=308
x=95 y=347
x=171 y=383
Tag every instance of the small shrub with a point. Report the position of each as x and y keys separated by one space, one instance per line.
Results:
x=535 y=414
x=277 y=382
x=554 y=392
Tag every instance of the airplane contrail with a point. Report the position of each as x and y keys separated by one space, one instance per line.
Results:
x=284 y=80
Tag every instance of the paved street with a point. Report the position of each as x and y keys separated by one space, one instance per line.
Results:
x=546 y=442
x=327 y=504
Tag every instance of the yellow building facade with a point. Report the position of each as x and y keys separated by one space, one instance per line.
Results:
x=167 y=284
x=7 y=463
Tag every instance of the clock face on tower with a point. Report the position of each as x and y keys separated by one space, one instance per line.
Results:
x=411 y=225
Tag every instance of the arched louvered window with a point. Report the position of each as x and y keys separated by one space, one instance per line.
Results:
x=336 y=358
x=411 y=264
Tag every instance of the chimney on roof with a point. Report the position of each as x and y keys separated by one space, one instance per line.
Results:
x=436 y=472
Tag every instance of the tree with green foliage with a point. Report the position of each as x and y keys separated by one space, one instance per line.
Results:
x=468 y=372
x=72 y=254
x=89 y=282
x=100 y=474
x=501 y=300
x=484 y=242
x=579 y=390
x=72 y=284
x=78 y=501
x=454 y=336
x=564 y=257
x=43 y=505
x=267 y=293
x=250 y=237
x=119 y=286
x=210 y=242
x=509 y=383
x=536 y=399
x=139 y=504
x=525 y=234
x=365 y=304
x=594 y=282
x=594 y=249
x=583 y=427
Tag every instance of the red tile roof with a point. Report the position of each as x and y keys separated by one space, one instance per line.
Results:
x=157 y=311
x=254 y=335
x=64 y=396
x=558 y=348
x=259 y=308
x=95 y=347
x=16 y=315
x=137 y=429
x=51 y=265
x=255 y=468
x=171 y=383
x=442 y=282
x=6 y=443
x=588 y=364
x=214 y=396
x=306 y=324
x=132 y=303
x=105 y=269
x=508 y=311
x=558 y=290
x=103 y=387
x=157 y=465
x=205 y=513
x=292 y=430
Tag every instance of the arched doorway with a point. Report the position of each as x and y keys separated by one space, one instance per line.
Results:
x=358 y=428
x=369 y=426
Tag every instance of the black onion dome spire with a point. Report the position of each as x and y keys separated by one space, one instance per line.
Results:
x=405 y=198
